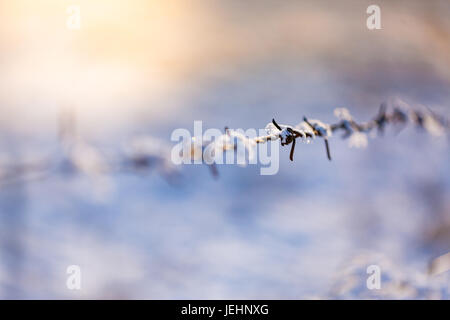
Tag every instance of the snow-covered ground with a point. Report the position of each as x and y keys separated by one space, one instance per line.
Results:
x=309 y=231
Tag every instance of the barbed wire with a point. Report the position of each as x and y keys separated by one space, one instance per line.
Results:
x=356 y=132
x=146 y=153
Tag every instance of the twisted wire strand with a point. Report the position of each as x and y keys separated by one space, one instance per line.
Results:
x=153 y=154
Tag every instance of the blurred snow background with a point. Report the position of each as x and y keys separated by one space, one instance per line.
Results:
x=149 y=67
